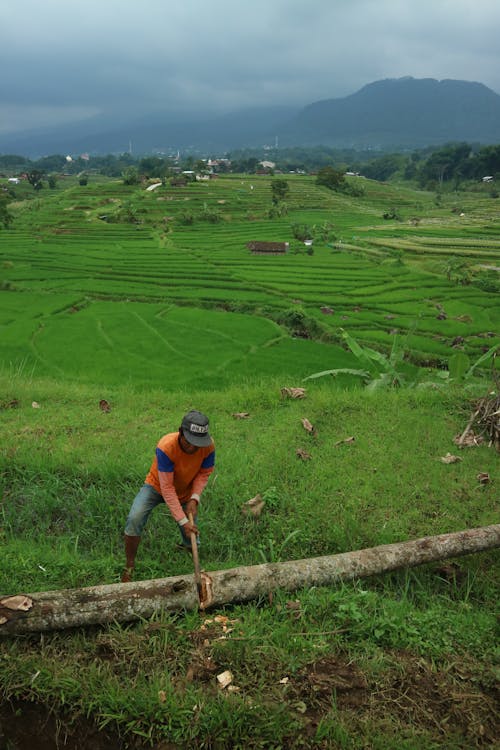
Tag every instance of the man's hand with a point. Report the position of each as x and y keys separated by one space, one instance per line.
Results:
x=190 y=528
x=190 y=507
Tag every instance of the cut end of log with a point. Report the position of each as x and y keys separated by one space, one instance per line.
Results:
x=206 y=596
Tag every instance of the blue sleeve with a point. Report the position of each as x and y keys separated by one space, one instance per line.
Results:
x=164 y=462
x=209 y=461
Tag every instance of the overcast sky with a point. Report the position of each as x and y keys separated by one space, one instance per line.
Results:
x=64 y=60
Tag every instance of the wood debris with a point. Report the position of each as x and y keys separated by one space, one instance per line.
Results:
x=241 y=415
x=104 y=405
x=486 y=423
x=471 y=440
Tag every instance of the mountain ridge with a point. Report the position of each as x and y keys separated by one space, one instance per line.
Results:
x=389 y=113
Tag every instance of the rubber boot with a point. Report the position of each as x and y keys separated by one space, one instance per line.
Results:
x=131 y=544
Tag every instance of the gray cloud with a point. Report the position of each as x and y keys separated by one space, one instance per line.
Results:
x=66 y=60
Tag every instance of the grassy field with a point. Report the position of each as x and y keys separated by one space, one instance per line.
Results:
x=119 y=291
x=164 y=315
x=405 y=660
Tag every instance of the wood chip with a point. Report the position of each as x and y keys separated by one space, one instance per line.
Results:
x=241 y=415
x=225 y=679
x=19 y=602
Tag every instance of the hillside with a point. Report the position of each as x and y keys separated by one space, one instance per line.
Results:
x=135 y=276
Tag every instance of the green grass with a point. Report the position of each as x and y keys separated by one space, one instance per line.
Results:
x=159 y=318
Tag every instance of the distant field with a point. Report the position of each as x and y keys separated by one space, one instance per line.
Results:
x=142 y=302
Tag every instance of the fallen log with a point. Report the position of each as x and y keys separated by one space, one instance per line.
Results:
x=122 y=602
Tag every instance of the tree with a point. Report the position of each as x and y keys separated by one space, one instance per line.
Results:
x=35 y=179
x=330 y=178
x=122 y=602
x=130 y=176
x=6 y=218
x=153 y=166
x=280 y=190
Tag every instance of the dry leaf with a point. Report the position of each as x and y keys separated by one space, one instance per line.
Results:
x=162 y=696
x=293 y=392
x=225 y=679
x=14 y=404
x=308 y=426
x=450 y=459
x=254 y=506
x=293 y=604
x=483 y=477
x=284 y=680
x=104 y=405
x=19 y=602
x=35 y=405
x=3 y=620
x=345 y=441
x=241 y=415
x=304 y=455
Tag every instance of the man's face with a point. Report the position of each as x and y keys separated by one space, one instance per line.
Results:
x=185 y=445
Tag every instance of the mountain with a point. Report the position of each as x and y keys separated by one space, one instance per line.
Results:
x=159 y=131
x=401 y=113
x=389 y=114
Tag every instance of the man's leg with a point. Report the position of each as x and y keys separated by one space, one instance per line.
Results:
x=146 y=499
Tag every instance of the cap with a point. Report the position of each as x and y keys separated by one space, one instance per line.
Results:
x=195 y=429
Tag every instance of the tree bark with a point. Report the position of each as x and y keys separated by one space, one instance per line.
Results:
x=122 y=602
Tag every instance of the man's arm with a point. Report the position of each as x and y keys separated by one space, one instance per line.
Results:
x=201 y=479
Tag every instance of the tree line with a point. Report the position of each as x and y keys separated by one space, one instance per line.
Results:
x=431 y=168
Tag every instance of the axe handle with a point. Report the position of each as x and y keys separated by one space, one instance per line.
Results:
x=196 y=561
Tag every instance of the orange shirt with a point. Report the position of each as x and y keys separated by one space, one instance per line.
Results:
x=177 y=475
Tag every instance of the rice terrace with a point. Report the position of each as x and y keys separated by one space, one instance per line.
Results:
x=344 y=345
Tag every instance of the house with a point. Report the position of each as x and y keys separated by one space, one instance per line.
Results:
x=267 y=164
x=488 y=178
x=14 y=180
x=268 y=248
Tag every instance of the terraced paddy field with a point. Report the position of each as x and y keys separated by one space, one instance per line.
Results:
x=117 y=283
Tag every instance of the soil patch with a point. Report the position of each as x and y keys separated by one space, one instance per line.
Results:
x=29 y=726
x=451 y=701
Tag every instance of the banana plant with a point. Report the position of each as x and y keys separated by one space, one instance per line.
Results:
x=382 y=371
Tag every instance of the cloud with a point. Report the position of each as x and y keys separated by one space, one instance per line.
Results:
x=65 y=58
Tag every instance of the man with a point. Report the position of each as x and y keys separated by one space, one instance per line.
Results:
x=182 y=464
